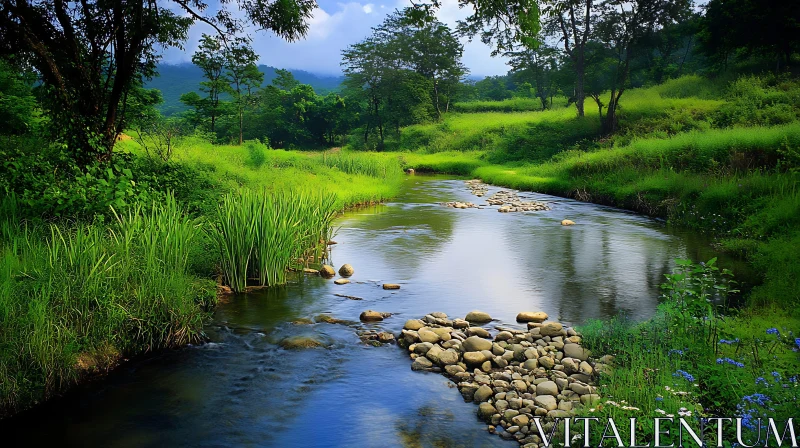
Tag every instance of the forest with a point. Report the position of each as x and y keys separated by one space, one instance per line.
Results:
x=125 y=217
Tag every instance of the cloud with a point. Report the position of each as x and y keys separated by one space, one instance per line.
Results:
x=333 y=27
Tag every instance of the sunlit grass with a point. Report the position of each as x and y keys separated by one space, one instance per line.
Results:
x=74 y=298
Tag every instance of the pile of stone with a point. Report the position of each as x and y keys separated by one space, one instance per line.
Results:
x=477 y=187
x=518 y=375
x=510 y=202
x=457 y=204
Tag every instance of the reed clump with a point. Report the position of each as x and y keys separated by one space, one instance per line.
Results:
x=260 y=234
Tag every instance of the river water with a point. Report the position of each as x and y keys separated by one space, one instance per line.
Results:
x=242 y=390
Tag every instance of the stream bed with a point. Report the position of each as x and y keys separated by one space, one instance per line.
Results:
x=241 y=389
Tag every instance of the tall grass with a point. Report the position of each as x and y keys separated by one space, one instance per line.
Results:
x=74 y=298
x=259 y=234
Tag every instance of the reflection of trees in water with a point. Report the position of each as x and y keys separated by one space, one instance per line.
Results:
x=597 y=270
x=401 y=233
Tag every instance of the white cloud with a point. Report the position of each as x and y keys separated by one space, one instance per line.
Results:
x=335 y=26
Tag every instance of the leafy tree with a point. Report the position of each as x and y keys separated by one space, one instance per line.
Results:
x=538 y=65
x=19 y=111
x=751 y=27
x=285 y=80
x=243 y=77
x=623 y=27
x=89 y=54
x=506 y=24
x=211 y=57
x=571 y=20
x=494 y=88
x=427 y=47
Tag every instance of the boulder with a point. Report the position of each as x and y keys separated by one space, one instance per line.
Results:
x=486 y=411
x=327 y=271
x=546 y=401
x=414 y=324
x=483 y=393
x=346 y=270
x=426 y=335
x=567 y=222
x=341 y=281
x=547 y=362
x=443 y=333
x=478 y=317
x=547 y=388
x=300 y=342
x=421 y=363
x=503 y=336
x=391 y=286
x=371 y=316
x=460 y=323
x=531 y=316
x=551 y=329
x=475 y=344
x=479 y=332
x=576 y=351
x=521 y=420
x=385 y=337
x=474 y=358
x=448 y=357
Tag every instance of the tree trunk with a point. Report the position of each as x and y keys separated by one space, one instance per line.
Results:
x=436 y=99
x=579 y=80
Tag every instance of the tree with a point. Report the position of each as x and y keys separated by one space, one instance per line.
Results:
x=571 y=20
x=623 y=26
x=89 y=54
x=752 y=27
x=210 y=57
x=244 y=77
x=506 y=24
x=538 y=65
x=427 y=47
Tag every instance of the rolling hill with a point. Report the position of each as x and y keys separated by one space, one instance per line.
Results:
x=175 y=80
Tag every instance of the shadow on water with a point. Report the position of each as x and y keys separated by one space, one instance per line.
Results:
x=242 y=388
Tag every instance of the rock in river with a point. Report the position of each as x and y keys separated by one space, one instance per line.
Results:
x=346 y=270
x=391 y=286
x=551 y=329
x=327 y=271
x=341 y=281
x=476 y=344
x=372 y=316
x=478 y=317
x=414 y=324
x=300 y=342
x=567 y=222
x=530 y=316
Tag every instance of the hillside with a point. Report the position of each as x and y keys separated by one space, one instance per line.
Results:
x=177 y=79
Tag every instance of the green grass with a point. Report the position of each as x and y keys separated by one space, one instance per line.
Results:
x=352 y=178
x=261 y=235
x=508 y=105
x=74 y=298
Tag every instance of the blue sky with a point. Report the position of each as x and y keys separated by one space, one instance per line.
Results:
x=336 y=25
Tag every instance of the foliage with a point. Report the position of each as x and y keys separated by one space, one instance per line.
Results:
x=91 y=54
x=75 y=298
x=261 y=235
x=740 y=365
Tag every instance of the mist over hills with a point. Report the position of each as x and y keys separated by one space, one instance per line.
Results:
x=176 y=79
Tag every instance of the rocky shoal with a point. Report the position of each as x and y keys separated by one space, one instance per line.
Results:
x=513 y=376
x=508 y=201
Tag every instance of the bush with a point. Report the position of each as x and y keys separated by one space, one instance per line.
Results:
x=256 y=153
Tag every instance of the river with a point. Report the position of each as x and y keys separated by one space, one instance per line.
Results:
x=242 y=390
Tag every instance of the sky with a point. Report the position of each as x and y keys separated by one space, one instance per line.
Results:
x=336 y=25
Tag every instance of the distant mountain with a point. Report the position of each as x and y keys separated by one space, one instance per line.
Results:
x=175 y=80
